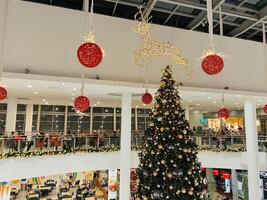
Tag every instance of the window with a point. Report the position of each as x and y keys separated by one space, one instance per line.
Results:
x=21 y=118
x=3 y=108
x=103 y=118
x=35 y=118
x=78 y=122
x=142 y=119
x=52 y=118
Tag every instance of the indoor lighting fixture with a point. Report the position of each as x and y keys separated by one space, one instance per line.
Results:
x=236 y=103
x=73 y=94
x=63 y=83
x=29 y=86
x=94 y=104
x=46 y=103
x=203 y=93
x=238 y=95
x=98 y=102
x=35 y=92
x=198 y=104
x=74 y=89
x=214 y=102
x=43 y=100
x=209 y=97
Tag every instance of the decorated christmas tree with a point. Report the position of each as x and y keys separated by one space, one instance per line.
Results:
x=169 y=168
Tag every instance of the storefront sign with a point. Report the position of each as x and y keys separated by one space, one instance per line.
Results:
x=5 y=191
x=227 y=186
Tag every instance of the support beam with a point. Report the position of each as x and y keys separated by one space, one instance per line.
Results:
x=149 y=7
x=248 y=24
x=169 y=17
x=125 y=152
x=11 y=115
x=203 y=14
x=115 y=7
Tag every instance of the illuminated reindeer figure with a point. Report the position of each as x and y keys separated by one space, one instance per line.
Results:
x=151 y=47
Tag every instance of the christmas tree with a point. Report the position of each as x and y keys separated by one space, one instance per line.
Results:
x=169 y=168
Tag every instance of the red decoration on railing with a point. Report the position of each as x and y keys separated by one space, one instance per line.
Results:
x=226 y=176
x=224 y=113
x=215 y=172
x=3 y=93
x=82 y=103
x=89 y=54
x=147 y=98
x=212 y=64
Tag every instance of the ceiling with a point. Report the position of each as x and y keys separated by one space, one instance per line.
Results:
x=241 y=18
x=63 y=90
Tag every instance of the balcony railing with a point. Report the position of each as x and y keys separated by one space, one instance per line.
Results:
x=38 y=145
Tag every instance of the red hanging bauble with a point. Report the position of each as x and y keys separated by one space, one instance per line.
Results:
x=224 y=113
x=89 y=54
x=265 y=108
x=147 y=98
x=3 y=93
x=82 y=103
x=212 y=64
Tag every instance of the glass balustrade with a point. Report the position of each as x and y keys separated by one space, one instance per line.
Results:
x=20 y=143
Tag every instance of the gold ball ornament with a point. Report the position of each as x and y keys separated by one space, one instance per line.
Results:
x=155 y=173
x=178 y=192
x=150 y=165
x=189 y=172
x=180 y=156
x=190 y=192
x=162 y=129
x=183 y=191
x=160 y=146
x=169 y=175
x=163 y=162
x=171 y=187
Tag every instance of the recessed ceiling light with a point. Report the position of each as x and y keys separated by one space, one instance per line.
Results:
x=35 y=92
x=29 y=86
x=94 y=104
x=46 y=103
x=137 y=106
x=73 y=94
x=63 y=83
x=74 y=89
x=117 y=87
x=191 y=101
x=258 y=104
x=202 y=93
x=144 y=104
x=98 y=102
x=198 y=104
x=209 y=97
x=214 y=102
x=236 y=103
x=238 y=95
x=43 y=100
x=72 y=98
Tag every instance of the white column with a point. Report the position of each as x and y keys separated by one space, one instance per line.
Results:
x=115 y=120
x=66 y=120
x=187 y=112
x=11 y=114
x=28 y=123
x=136 y=119
x=91 y=120
x=125 y=152
x=252 y=149
x=38 y=119
x=234 y=184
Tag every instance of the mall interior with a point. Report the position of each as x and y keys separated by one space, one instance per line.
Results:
x=133 y=100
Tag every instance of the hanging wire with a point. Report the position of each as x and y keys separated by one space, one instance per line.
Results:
x=210 y=21
x=3 y=43
x=91 y=16
x=82 y=85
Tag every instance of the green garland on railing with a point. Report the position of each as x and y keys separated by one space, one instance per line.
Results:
x=59 y=152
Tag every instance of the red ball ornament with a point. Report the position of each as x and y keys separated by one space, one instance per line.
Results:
x=82 y=103
x=226 y=176
x=3 y=93
x=215 y=172
x=89 y=54
x=265 y=108
x=224 y=113
x=147 y=98
x=212 y=64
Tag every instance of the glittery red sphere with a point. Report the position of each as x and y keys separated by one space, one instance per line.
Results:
x=82 y=103
x=147 y=98
x=3 y=93
x=224 y=113
x=89 y=54
x=212 y=64
x=265 y=108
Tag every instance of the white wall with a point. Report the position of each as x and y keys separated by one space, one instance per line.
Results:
x=45 y=38
x=18 y=168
